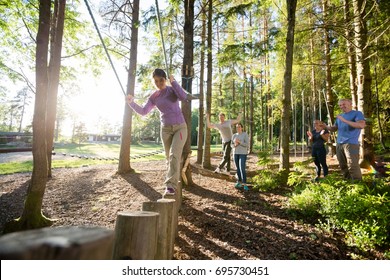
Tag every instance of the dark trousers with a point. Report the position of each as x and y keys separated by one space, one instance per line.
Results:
x=319 y=155
x=227 y=150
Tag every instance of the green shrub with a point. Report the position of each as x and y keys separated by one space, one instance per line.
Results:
x=361 y=209
x=267 y=179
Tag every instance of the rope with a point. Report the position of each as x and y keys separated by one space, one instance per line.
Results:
x=162 y=38
x=104 y=45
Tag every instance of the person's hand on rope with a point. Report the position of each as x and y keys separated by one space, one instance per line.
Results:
x=129 y=99
x=171 y=78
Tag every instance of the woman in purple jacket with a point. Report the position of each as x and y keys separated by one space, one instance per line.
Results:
x=173 y=126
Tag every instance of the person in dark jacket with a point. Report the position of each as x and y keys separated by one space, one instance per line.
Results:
x=318 y=137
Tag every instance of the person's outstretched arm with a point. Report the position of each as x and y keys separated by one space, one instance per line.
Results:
x=142 y=110
x=238 y=119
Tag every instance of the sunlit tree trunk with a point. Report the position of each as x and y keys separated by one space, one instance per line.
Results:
x=56 y=34
x=328 y=68
x=378 y=106
x=286 y=99
x=267 y=79
x=313 y=83
x=351 y=53
x=201 y=89
x=124 y=155
x=206 y=153
x=188 y=61
x=32 y=216
x=251 y=122
x=251 y=93
x=364 y=79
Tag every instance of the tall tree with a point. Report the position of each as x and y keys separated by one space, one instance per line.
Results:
x=187 y=74
x=56 y=35
x=32 y=216
x=201 y=124
x=124 y=156
x=206 y=152
x=328 y=66
x=287 y=85
x=349 y=34
x=364 y=79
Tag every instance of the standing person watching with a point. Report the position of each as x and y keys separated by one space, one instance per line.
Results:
x=240 y=143
x=225 y=129
x=349 y=125
x=318 y=137
x=173 y=126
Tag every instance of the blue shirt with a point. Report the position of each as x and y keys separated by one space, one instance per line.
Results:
x=346 y=133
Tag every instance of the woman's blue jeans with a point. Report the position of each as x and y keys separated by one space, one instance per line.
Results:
x=240 y=161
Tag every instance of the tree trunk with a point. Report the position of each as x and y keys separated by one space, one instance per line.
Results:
x=124 y=155
x=206 y=153
x=313 y=85
x=201 y=91
x=286 y=100
x=32 y=216
x=351 y=54
x=328 y=68
x=364 y=79
x=378 y=106
x=188 y=62
x=251 y=123
x=57 y=31
x=269 y=107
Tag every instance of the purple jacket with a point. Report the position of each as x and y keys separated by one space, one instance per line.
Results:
x=167 y=102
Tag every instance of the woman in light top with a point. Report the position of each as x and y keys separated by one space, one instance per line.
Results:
x=173 y=126
x=240 y=144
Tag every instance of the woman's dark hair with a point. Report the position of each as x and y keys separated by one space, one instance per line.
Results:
x=159 y=73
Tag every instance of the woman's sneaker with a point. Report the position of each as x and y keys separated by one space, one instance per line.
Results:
x=246 y=188
x=170 y=191
x=238 y=185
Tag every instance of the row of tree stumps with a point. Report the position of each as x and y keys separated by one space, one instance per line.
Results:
x=148 y=234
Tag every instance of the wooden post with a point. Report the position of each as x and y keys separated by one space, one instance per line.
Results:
x=179 y=195
x=166 y=227
x=136 y=235
x=58 y=243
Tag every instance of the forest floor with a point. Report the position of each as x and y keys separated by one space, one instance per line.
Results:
x=216 y=221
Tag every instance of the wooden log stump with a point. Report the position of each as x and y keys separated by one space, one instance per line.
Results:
x=179 y=196
x=136 y=235
x=166 y=227
x=58 y=243
x=175 y=219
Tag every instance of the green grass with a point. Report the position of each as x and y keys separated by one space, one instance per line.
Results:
x=92 y=150
x=15 y=167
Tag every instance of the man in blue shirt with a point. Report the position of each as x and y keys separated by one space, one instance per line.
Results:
x=349 y=125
